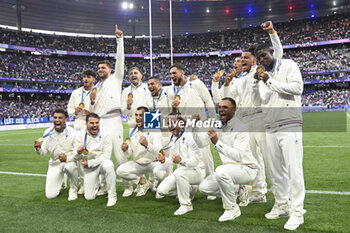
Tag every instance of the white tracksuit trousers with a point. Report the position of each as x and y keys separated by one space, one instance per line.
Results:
x=91 y=179
x=180 y=181
x=258 y=146
x=227 y=177
x=55 y=176
x=285 y=162
x=113 y=126
x=131 y=171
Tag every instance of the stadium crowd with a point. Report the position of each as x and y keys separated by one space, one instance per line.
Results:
x=332 y=97
x=300 y=31
x=69 y=68
x=29 y=109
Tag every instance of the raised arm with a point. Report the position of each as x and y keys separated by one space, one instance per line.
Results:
x=119 y=65
x=275 y=40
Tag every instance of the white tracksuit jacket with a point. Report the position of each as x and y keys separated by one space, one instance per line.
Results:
x=99 y=147
x=74 y=101
x=58 y=143
x=141 y=97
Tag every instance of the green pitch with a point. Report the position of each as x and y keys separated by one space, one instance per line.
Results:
x=24 y=208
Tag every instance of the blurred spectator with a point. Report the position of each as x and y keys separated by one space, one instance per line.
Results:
x=33 y=108
x=332 y=97
x=300 y=31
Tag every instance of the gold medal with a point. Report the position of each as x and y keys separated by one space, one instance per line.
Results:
x=177 y=97
x=260 y=69
x=85 y=151
x=127 y=141
x=41 y=140
x=162 y=152
x=233 y=72
x=94 y=90
x=221 y=73
x=81 y=105
x=130 y=96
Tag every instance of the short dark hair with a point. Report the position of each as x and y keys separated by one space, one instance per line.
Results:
x=178 y=66
x=145 y=109
x=105 y=62
x=92 y=115
x=135 y=68
x=262 y=46
x=251 y=50
x=60 y=110
x=155 y=78
x=233 y=102
x=89 y=73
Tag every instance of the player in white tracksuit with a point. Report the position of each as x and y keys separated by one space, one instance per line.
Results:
x=106 y=101
x=194 y=99
x=252 y=114
x=238 y=167
x=145 y=146
x=160 y=102
x=217 y=93
x=134 y=96
x=93 y=150
x=58 y=141
x=78 y=106
x=183 y=152
x=280 y=91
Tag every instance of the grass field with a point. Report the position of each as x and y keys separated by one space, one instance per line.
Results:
x=24 y=208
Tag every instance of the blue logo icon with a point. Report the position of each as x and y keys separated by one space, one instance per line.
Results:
x=151 y=120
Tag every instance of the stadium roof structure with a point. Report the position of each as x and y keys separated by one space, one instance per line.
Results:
x=189 y=16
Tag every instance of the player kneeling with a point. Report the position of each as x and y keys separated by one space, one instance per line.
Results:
x=144 y=145
x=58 y=141
x=190 y=169
x=238 y=167
x=94 y=149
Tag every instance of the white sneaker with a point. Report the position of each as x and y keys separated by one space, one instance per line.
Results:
x=243 y=195
x=73 y=194
x=158 y=196
x=230 y=214
x=81 y=190
x=183 y=209
x=257 y=198
x=293 y=222
x=102 y=191
x=211 y=198
x=112 y=199
x=143 y=188
x=278 y=212
x=128 y=191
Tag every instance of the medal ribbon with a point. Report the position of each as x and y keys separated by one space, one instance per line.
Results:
x=154 y=103
x=168 y=146
x=82 y=95
x=179 y=89
x=85 y=140
x=133 y=132
x=131 y=90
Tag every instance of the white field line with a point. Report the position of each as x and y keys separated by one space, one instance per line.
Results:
x=348 y=115
x=307 y=191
